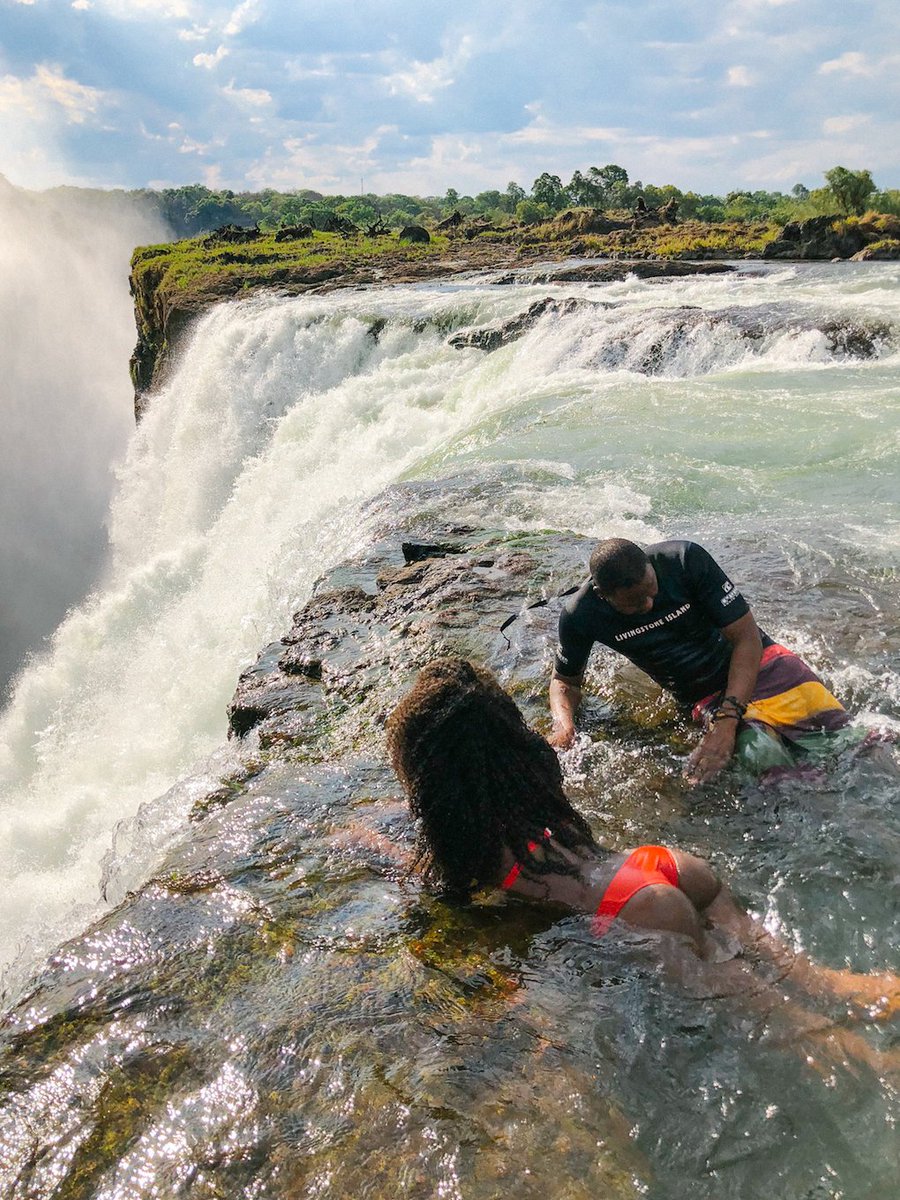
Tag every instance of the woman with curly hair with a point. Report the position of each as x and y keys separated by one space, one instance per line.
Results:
x=487 y=794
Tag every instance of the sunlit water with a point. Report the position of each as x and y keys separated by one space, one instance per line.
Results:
x=386 y=1044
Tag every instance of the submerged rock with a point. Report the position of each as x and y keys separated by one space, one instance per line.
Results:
x=492 y=337
x=282 y=1011
x=650 y=341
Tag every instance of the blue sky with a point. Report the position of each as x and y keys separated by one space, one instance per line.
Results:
x=416 y=96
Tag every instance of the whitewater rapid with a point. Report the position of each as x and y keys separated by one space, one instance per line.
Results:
x=251 y=472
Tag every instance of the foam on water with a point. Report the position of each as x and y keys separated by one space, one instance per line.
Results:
x=249 y=473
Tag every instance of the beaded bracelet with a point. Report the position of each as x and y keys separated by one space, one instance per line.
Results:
x=736 y=704
x=720 y=714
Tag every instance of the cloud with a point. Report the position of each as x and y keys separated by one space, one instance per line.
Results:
x=139 y=10
x=858 y=65
x=423 y=80
x=468 y=96
x=191 y=146
x=210 y=60
x=845 y=124
x=195 y=34
x=245 y=14
x=542 y=132
x=255 y=97
x=808 y=158
x=49 y=93
x=851 y=63
x=307 y=161
x=296 y=71
x=740 y=77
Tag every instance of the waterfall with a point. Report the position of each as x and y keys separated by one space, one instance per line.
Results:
x=250 y=474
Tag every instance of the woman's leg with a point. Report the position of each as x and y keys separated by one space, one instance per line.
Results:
x=876 y=995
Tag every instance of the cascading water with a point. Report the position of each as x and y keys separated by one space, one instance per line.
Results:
x=245 y=478
x=724 y=408
x=64 y=397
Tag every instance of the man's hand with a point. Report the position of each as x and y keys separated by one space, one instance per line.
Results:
x=565 y=696
x=714 y=752
x=562 y=736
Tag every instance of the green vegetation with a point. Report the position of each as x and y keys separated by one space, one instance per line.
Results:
x=202 y=267
x=872 y=224
x=690 y=239
x=851 y=189
x=195 y=209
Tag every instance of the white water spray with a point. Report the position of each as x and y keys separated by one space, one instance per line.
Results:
x=65 y=397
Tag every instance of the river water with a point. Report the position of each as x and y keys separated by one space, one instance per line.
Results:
x=732 y=409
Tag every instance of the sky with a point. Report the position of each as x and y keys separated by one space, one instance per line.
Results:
x=415 y=96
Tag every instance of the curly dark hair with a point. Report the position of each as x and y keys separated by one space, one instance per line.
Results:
x=478 y=780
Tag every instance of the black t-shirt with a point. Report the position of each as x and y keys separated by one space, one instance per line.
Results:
x=678 y=643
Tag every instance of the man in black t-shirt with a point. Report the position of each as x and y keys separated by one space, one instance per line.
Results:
x=674 y=613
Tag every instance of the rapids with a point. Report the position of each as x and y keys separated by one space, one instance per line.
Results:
x=260 y=467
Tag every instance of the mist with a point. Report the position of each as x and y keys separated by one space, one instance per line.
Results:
x=65 y=397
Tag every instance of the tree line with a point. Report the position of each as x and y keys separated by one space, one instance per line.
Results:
x=195 y=209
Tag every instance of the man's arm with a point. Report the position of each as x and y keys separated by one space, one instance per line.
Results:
x=717 y=744
x=568 y=672
x=565 y=697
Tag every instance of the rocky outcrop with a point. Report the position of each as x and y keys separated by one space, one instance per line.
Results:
x=819 y=238
x=350 y=645
x=452 y=222
x=500 y=333
x=584 y=221
x=887 y=250
x=237 y=234
x=161 y=322
x=414 y=233
x=291 y=233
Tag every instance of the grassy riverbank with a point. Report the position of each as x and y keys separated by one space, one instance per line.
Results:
x=202 y=269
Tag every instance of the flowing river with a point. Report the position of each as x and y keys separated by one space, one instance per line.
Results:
x=352 y=1035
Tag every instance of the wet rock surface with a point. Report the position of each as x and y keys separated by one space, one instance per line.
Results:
x=275 y=1006
x=366 y=639
x=501 y=333
x=282 y=1012
x=650 y=341
x=613 y=271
